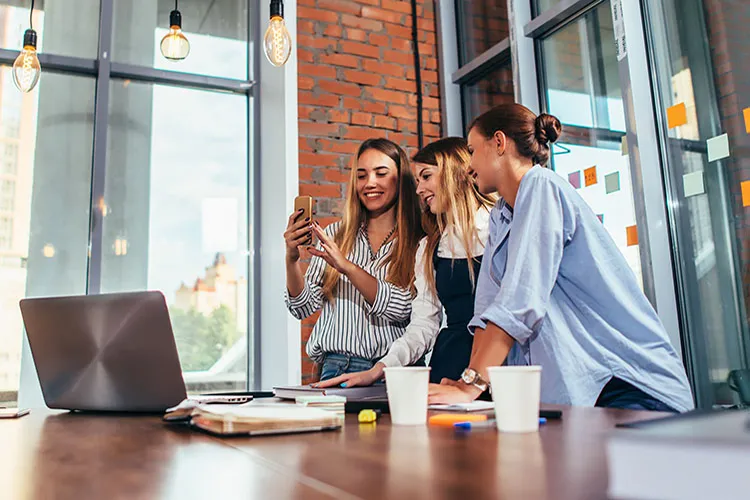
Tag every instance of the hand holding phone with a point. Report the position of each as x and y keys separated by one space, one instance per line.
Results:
x=299 y=227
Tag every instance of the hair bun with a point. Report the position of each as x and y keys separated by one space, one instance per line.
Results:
x=547 y=128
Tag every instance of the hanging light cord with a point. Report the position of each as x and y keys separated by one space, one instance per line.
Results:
x=417 y=72
x=175 y=4
x=31 y=11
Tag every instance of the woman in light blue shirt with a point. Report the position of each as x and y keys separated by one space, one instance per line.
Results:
x=553 y=289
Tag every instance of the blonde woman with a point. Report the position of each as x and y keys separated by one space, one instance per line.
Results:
x=361 y=275
x=456 y=220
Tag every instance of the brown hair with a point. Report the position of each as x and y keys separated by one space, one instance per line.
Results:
x=457 y=199
x=408 y=227
x=532 y=134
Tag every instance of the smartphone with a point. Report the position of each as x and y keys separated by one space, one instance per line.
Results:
x=13 y=412
x=306 y=204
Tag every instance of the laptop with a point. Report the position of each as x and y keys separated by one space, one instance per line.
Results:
x=109 y=352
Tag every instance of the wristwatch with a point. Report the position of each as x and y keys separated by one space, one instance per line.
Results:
x=472 y=377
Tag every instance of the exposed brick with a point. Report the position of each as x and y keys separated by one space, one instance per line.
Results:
x=398 y=57
x=383 y=68
x=383 y=15
x=359 y=133
x=398 y=31
x=313 y=14
x=333 y=30
x=356 y=35
x=358 y=22
x=360 y=49
x=318 y=159
x=340 y=60
x=340 y=88
x=341 y=6
x=336 y=175
x=362 y=77
x=321 y=190
x=380 y=40
x=318 y=129
x=339 y=115
x=316 y=70
x=387 y=95
x=305 y=82
x=386 y=122
x=374 y=107
x=400 y=84
x=327 y=100
x=402 y=112
x=360 y=118
x=397 y=5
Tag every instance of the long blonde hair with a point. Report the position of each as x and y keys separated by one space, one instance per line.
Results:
x=456 y=198
x=408 y=228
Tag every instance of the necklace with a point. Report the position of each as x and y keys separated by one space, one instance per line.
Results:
x=373 y=256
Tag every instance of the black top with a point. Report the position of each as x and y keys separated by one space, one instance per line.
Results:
x=452 y=350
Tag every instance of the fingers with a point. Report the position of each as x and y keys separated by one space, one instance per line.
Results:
x=322 y=236
x=293 y=217
x=333 y=382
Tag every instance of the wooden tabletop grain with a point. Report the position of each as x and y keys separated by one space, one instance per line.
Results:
x=53 y=455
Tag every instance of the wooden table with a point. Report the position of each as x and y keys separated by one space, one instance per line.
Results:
x=48 y=455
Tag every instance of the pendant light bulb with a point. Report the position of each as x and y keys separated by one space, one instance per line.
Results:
x=26 y=67
x=277 y=43
x=175 y=46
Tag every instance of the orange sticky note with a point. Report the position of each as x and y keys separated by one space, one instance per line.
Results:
x=632 y=232
x=745 y=194
x=746 y=114
x=448 y=419
x=677 y=115
x=589 y=176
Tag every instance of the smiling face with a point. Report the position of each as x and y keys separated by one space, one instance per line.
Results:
x=427 y=185
x=484 y=161
x=377 y=181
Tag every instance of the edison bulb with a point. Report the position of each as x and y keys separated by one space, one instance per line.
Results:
x=174 y=45
x=26 y=68
x=277 y=43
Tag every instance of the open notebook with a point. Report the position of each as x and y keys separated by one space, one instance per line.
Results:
x=254 y=420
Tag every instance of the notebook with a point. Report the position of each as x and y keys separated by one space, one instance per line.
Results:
x=376 y=391
x=696 y=455
x=465 y=407
x=251 y=420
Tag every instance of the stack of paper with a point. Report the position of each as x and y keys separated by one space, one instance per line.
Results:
x=335 y=404
x=251 y=420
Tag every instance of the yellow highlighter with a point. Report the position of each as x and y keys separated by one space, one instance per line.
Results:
x=367 y=416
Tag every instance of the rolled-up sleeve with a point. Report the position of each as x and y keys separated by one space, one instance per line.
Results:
x=311 y=298
x=426 y=316
x=535 y=248
x=391 y=303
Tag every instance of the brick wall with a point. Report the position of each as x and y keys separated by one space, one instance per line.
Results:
x=356 y=81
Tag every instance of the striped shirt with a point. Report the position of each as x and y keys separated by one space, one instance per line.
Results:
x=349 y=325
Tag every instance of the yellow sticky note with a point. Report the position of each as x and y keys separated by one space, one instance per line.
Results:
x=746 y=114
x=589 y=176
x=677 y=115
x=745 y=194
x=632 y=234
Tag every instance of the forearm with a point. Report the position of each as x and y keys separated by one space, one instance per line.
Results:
x=295 y=279
x=362 y=281
x=491 y=347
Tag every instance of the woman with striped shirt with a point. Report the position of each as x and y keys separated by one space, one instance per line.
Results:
x=361 y=272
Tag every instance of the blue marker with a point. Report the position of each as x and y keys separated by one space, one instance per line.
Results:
x=485 y=423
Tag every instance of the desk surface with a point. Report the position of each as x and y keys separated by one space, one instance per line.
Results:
x=49 y=455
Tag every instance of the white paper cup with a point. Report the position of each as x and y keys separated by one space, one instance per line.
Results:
x=407 y=388
x=515 y=392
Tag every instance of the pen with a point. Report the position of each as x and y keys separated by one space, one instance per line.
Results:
x=485 y=423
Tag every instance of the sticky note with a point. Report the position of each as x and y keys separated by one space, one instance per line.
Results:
x=677 y=115
x=612 y=182
x=589 y=176
x=745 y=194
x=718 y=147
x=693 y=184
x=575 y=179
x=601 y=218
x=632 y=235
x=746 y=114
x=624 y=145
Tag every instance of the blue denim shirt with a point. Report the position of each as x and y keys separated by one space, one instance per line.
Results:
x=555 y=281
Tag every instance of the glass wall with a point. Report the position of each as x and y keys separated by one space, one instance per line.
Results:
x=581 y=86
x=481 y=25
x=488 y=91
x=703 y=112
x=113 y=184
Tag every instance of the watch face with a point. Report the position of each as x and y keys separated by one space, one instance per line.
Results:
x=469 y=376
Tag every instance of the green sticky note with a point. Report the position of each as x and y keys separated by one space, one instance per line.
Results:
x=612 y=182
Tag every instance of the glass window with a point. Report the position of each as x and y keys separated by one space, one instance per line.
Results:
x=489 y=91
x=581 y=75
x=701 y=67
x=176 y=203
x=64 y=27
x=542 y=5
x=582 y=88
x=44 y=236
x=217 y=32
x=481 y=24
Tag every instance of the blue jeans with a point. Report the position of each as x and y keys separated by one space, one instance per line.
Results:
x=620 y=394
x=339 y=364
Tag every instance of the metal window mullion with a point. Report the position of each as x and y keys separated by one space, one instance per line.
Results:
x=523 y=56
x=556 y=16
x=99 y=163
x=254 y=196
